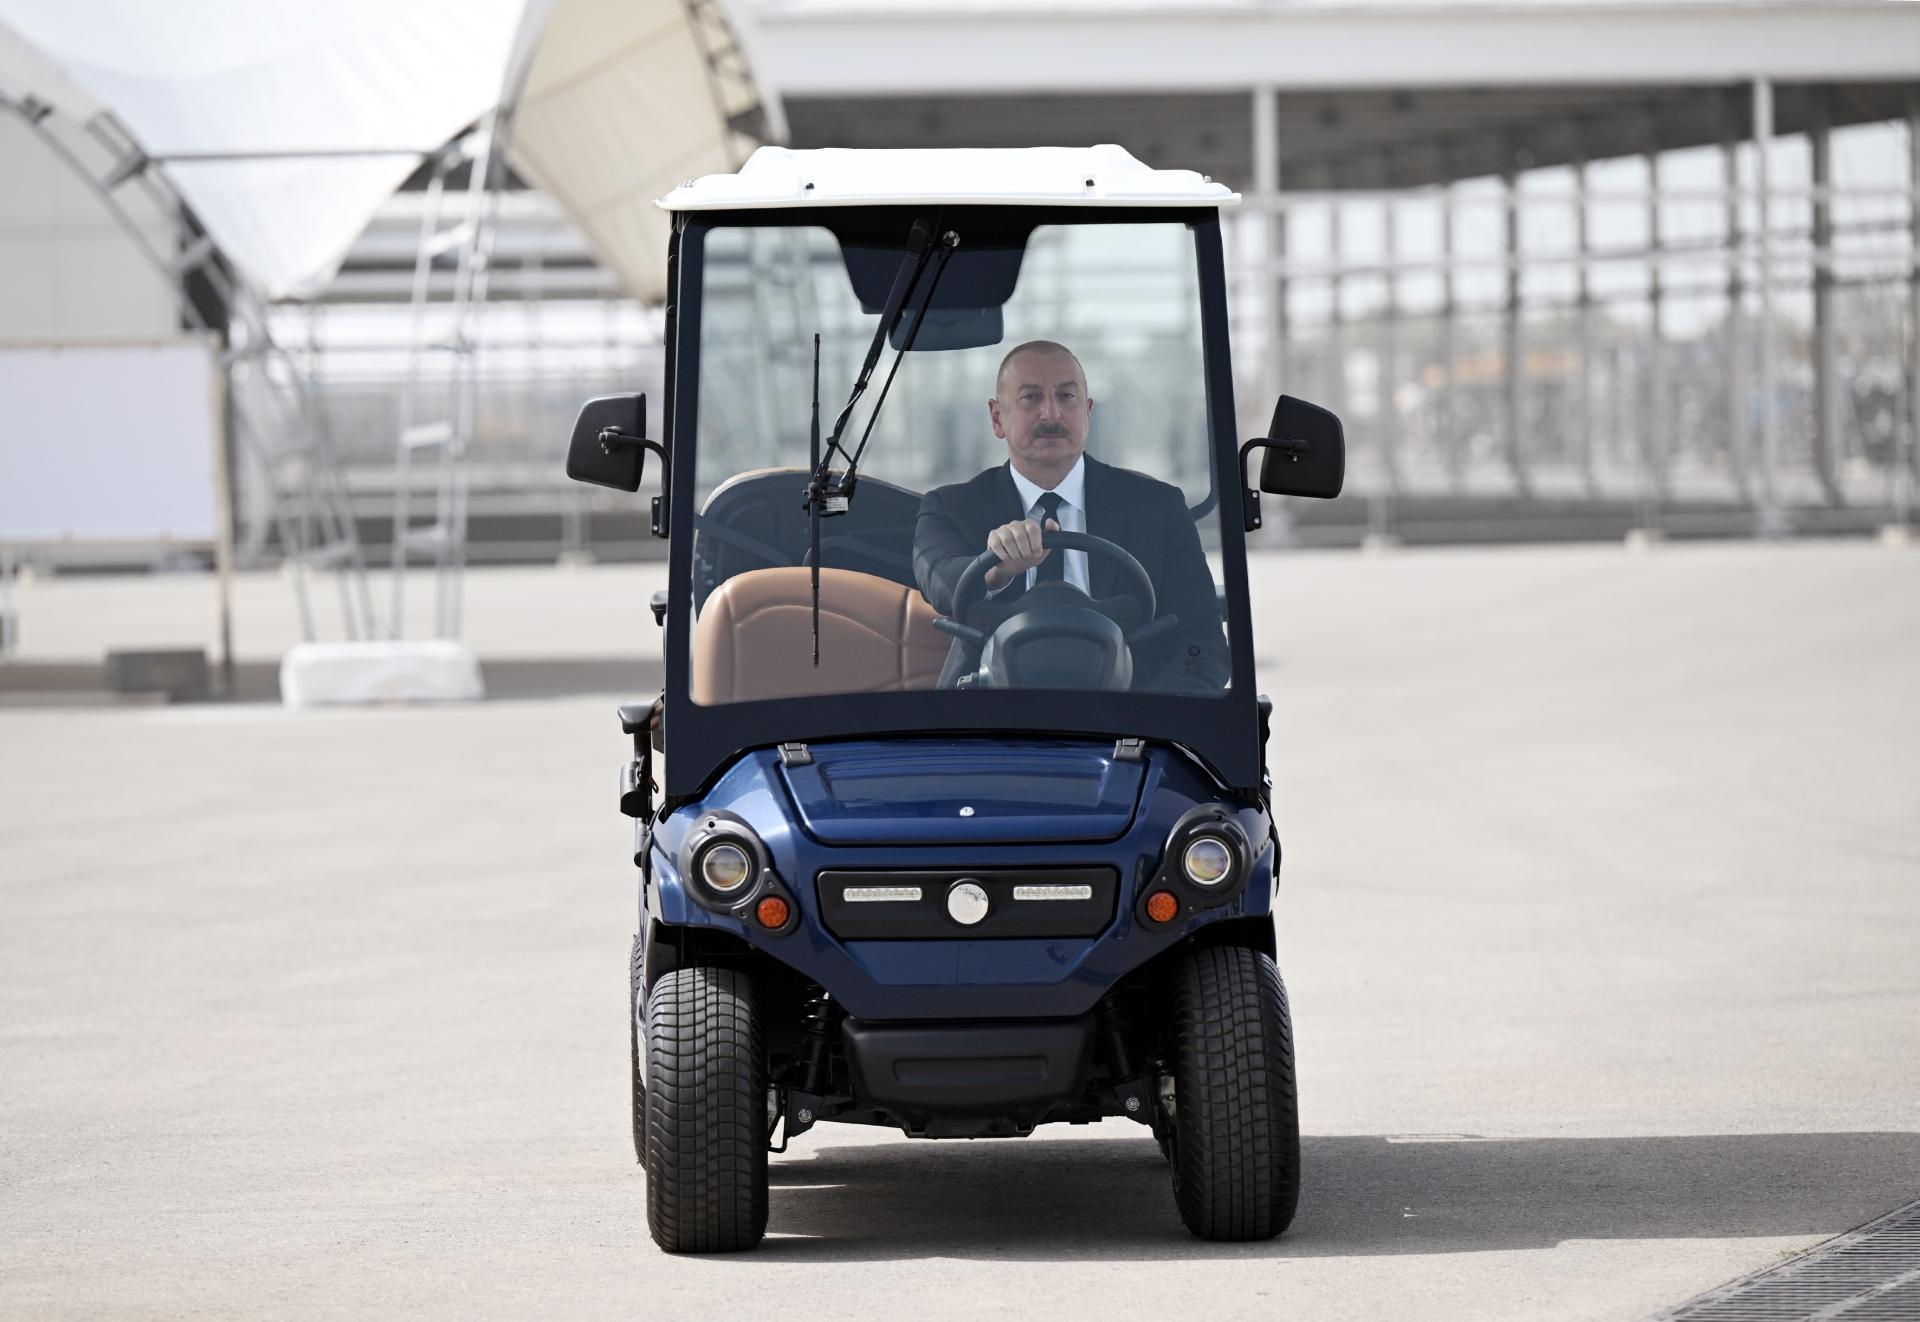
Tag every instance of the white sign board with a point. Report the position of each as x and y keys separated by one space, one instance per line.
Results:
x=112 y=442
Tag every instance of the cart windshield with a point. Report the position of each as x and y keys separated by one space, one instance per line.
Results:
x=1057 y=377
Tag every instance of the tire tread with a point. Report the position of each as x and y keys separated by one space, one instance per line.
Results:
x=1236 y=1149
x=706 y=1141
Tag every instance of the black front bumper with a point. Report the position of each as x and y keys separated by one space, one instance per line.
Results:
x=972 y=1080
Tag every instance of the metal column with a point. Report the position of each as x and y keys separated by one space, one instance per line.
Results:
x=1282 y=322
x=1772 y=519
x=1386 y=417
x=1336 y=339
x=1513 y=379
x=1907 y=468
x=1583 y=322
x=1273 y=243
x=1739 y=460
x=1655 y=458
x=1446 y=429
x=1826 y=361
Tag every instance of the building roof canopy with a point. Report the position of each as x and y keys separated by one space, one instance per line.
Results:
x=879 y=47
x=1356 y=139
x=1370 y=93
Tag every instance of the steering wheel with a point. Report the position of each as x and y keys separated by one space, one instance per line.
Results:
x=1132 y=608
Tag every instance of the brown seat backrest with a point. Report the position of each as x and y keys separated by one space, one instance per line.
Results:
x=754 y=639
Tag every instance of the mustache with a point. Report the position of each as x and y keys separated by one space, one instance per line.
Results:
x=1050 y=429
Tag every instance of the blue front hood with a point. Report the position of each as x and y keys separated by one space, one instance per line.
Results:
x=964 y=792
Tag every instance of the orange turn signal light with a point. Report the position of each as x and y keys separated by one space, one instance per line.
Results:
x=772 y=912
x=1162 y=907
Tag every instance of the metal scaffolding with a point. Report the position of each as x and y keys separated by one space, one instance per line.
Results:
x=439 y=400
x=306 y=510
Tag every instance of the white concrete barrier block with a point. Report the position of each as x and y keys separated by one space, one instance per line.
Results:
x=435 y=670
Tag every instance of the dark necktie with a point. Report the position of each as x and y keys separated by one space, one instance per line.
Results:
x=1053 y=569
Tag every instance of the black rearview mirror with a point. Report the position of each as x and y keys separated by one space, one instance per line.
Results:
x=609 y=446
x=1306 y=455
x=1306 y=451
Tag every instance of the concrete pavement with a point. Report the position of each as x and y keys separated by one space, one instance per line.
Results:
x=1599 y=912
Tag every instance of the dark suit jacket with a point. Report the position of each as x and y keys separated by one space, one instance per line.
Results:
x=1145 y=516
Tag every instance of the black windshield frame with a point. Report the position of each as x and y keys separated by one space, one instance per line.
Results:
x=1221 y=730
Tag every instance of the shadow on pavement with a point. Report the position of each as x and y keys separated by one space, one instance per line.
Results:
x=1068 y=1199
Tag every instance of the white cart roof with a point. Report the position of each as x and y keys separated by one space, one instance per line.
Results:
x=1103 y=176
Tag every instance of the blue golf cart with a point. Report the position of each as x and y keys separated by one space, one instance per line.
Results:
x=953 y=816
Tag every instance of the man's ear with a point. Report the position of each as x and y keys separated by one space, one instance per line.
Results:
x=993 y=411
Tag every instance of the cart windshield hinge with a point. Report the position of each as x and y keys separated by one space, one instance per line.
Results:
x=795 y=755
x=1130 y=750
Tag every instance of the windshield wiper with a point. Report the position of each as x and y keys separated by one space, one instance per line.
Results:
x=834 y=489
x=829 y=492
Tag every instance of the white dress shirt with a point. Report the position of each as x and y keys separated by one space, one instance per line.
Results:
x=1072 y=517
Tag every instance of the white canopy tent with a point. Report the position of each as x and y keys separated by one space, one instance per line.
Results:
x=625 y=99
x=284 y=127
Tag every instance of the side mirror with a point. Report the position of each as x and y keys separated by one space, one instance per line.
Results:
x=609 y=446
x=1306 y=455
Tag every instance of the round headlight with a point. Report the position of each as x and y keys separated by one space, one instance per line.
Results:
x=1207 y=861
x=725 y=868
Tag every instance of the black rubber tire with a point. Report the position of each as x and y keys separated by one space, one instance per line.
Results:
x=1163 y=1131
x=1236 y=1148
x=633 y=1036
x=706 y=1113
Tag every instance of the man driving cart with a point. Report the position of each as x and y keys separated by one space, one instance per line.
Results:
x=1043 y=410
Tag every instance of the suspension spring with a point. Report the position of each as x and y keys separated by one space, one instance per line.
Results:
x=819 y=1015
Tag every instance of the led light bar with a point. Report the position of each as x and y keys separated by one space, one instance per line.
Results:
x=1053 y=892
x=880 y=894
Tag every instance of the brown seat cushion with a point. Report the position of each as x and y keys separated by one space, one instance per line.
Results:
x=754 y=638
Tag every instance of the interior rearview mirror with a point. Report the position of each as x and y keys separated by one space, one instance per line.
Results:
x=609 y=446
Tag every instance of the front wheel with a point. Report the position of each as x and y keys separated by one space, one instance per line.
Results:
x=1236 y=1125
x=706 y=1098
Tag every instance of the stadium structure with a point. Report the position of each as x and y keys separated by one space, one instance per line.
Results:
x=1582 y=269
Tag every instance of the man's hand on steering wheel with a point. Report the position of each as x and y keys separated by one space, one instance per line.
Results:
x=1133 y=608
x=1055 y=608
x=1018 y=546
